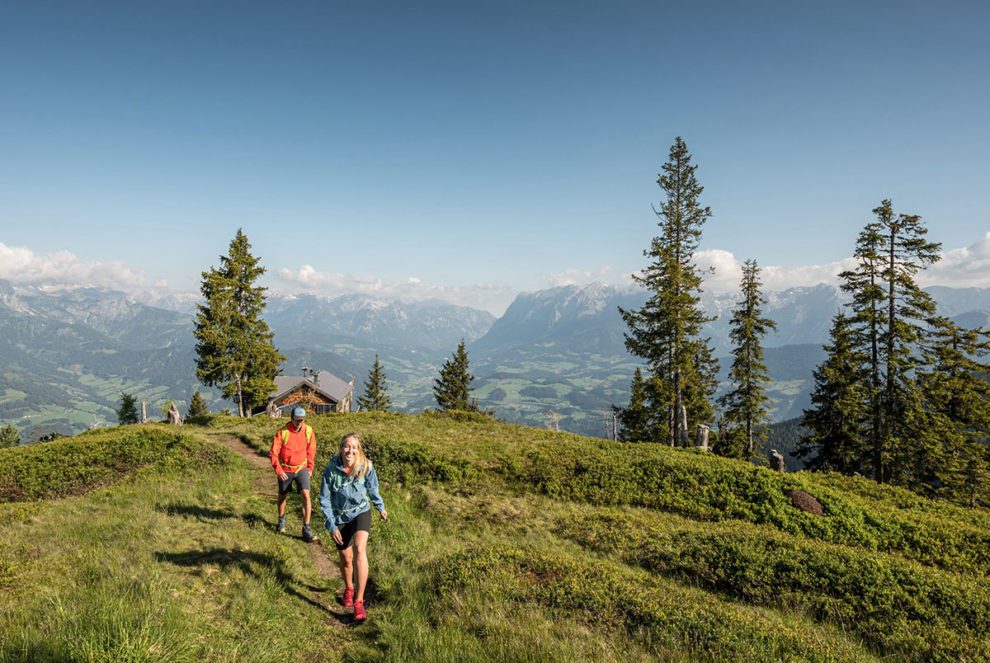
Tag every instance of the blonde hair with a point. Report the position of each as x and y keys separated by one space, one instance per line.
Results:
x=362 y=463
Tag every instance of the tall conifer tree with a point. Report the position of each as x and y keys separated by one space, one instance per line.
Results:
x=958 y=399
x=234 y=346
x=634 y=419
x=666 y=331
x=453 y=388
x=890 y=314
x=746 y=405
x=375 y=397
x=838 y=419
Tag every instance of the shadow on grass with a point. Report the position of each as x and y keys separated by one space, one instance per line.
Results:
x=205 y=515
x=249 y=563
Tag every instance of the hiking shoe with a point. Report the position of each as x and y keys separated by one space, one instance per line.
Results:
x=280 y=528
x=359 y=614
x=307 y=534
x=348 y=600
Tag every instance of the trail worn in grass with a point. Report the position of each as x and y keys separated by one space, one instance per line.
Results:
x=169 y=565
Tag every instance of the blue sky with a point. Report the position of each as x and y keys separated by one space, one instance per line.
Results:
x=473 y=150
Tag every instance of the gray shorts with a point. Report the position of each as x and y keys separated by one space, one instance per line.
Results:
x=300 y=478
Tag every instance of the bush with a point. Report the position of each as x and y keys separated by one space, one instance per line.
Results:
x=77 y=465
x=708 y=488
x=665 y=618
x=905 y=610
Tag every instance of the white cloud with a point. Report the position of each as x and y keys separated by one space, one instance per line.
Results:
x=580 y=276
x=728 y=272
x=491 y=297
x=968 y=267
x=23 y=266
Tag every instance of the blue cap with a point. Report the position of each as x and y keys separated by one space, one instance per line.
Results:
x=299 y=413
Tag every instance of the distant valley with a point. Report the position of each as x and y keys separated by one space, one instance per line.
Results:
x=67 y=354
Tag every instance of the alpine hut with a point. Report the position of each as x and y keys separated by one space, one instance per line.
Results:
x=320 y=392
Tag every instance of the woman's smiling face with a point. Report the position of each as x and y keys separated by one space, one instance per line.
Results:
x=349 y=451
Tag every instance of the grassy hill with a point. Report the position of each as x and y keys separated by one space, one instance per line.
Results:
x=503 y=543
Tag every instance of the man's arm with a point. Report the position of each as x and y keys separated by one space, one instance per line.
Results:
x=274 y=451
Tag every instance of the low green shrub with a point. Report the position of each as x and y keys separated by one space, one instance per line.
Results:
x=480 y=452
x=72 y=466
x=663 y=617
x=905 y=610
x=708 y=488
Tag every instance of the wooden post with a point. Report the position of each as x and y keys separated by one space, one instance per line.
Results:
x=144 y=412
x=683 y=428
x=703 y=436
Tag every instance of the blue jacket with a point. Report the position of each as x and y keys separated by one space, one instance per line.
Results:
x=343 y=498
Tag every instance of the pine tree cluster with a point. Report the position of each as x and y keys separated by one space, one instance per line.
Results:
x=902 y=395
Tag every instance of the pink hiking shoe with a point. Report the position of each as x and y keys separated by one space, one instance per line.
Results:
x=359 y=614
x=348 y=600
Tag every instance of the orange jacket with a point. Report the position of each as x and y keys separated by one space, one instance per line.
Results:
x=296 y=449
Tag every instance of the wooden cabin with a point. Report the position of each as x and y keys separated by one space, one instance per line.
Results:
x=320 y=392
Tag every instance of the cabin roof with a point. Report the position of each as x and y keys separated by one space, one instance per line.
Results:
x=325 y=383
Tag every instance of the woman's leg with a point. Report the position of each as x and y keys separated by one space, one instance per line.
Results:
x=347 y=566
x=361 y=561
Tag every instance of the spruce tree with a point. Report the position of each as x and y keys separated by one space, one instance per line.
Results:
x=666 y=331
x=234 y=347
x=197 y=406
x=890 y=314
x=127 y=411
x=634 y=419
x=746 y=405
x=838 y=419
x=957 y=397
x=375 y=395
x=864 y=284
x=9 y=436
x=452 y=389
x=908 y=312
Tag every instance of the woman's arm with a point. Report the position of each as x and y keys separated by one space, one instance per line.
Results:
x=326 y=501
x=371 y=484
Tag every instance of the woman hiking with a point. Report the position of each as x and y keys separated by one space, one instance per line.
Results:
x=349 y=484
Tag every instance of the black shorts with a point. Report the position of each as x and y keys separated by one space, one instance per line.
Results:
x=300 y=478
x=361 y=522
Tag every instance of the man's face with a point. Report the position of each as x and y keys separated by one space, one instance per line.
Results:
x=297 y=421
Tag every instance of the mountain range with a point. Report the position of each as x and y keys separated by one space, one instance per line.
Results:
x=557 y=354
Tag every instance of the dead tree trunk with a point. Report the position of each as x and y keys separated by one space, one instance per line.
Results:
x=173 y=415
x=703 y=436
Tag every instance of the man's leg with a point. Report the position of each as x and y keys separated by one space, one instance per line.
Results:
x=281 y=504
x=307 y=507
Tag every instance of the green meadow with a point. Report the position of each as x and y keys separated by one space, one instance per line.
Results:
x=505 y=543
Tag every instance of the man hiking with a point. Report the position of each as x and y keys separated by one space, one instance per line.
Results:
x=293 y=455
